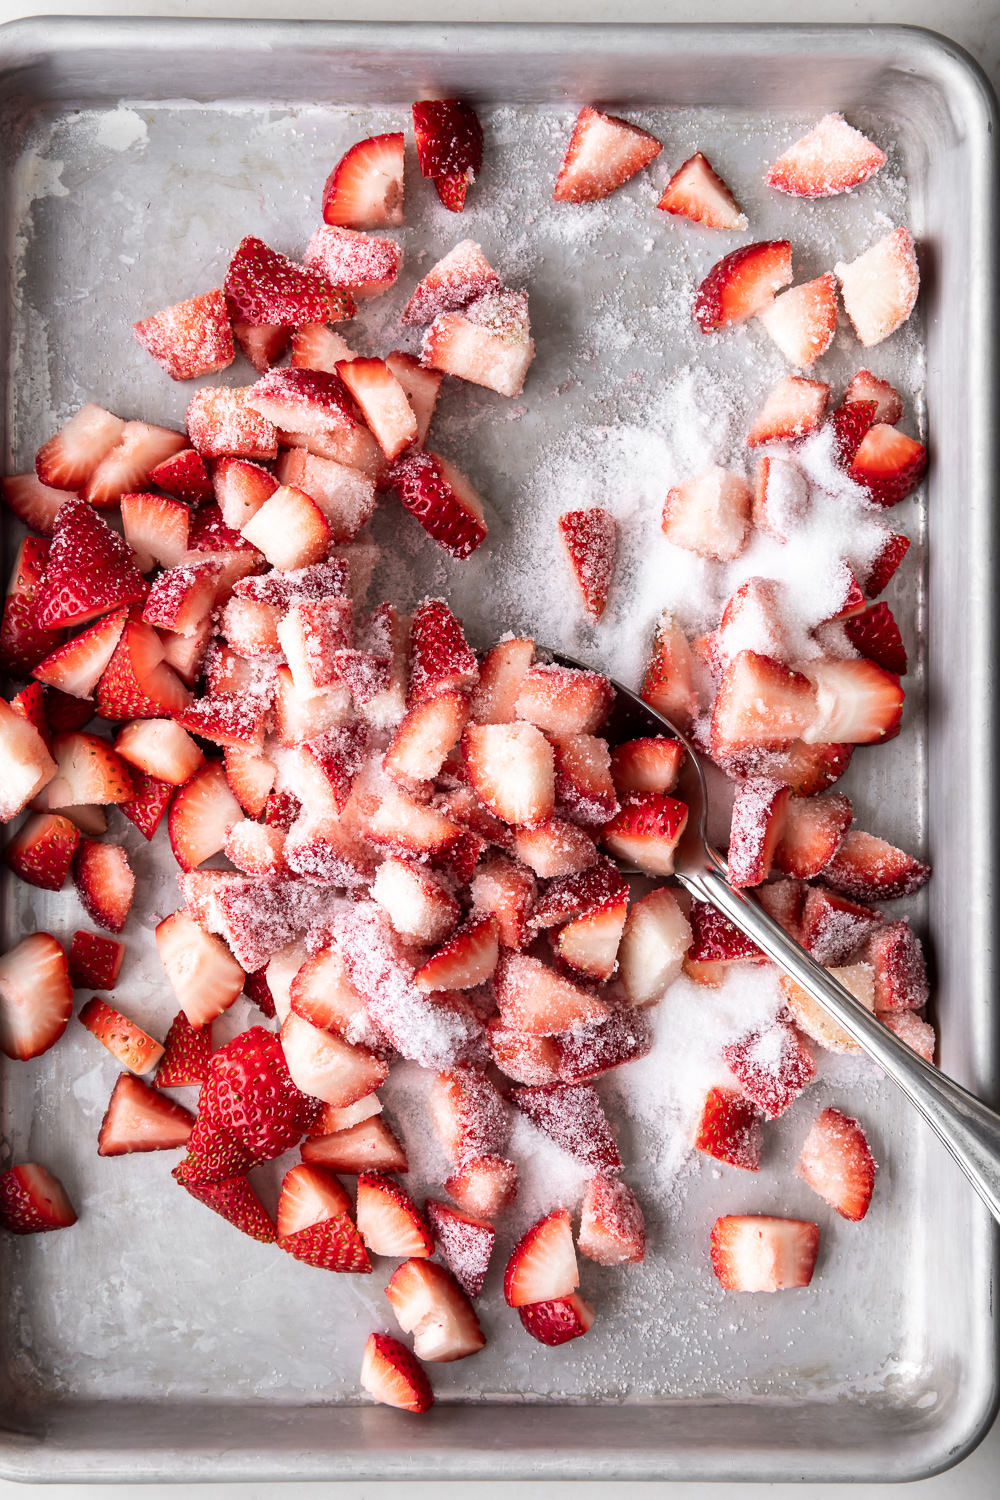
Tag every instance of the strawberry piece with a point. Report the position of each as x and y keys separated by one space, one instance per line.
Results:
x=697 y=192
x=76 y=667
x=837 y=1163
x=532 y=998
x=156 y=529
x=339 y=1119
x=88 y=771
x=866 y=868
x=94 y=961
x=730 y=1129
x=128 y=1043
x=482 y=1186
x=226 y=719
x=449 y=141
x=900 y=973
x=322 y=993
x=418 y=904
x=314 y=402
x=442 y=500
x=856 y=702
x=525 y=1057
x=885 y=563
x=465 y=1242
x=488 y=343
x=589 y=943
x=368 y=1146
x=290 y=529
x=28 y=768
x=589 y=1052
x=429 y=1303
x=264 y=287
x=23 y=642
x=421 y=386
x=460 y=277
x=234 y=1200
x=585 y=791
x=589 y=537
x=203 y=974
x=506 y=890
x=33 y=1201
x=803 y=320
x=667 y=684
x=161 y=748
x=42 y=850
x=574 y=895
x=879 y=289
x=814 y=1021
x=832 y=158
x=127 y=466
x=257 y=989
x=67 y=461
x=501 y=675
x=742 y=283
x=781 y=497
x=364 y=264
x=34 y=503
x=564 y=700
x=554 y=847
x=441 y=659
x=876 y=635
x=760 y=704
x=389 y=1221
x=646 y=765
x=137 y=683
x=29 y=704
x=864 y=386
x=511 y=767
x=558 y=1320
x=365 y=188
x=64 y=712
x=314 y=1223
x=751 y=620
x=612 y=1228
x=89 y=572
x=221 y=423
x=852 y=420
x=646 y=832
x=467 y=1114
x=346 y=497
x=191 y=338
x=139 y=1119
x=36 y=999
x=792 y=409
x=202 y=813
x=104 y=882
x=383 y=403
x=812 y=832
x=184 y=477
x=428 y=732
x=888 y=464
x=571 y=1115
x=833 y=928
x=240 y=489
x=542 y=1265
x=255 y=849
x=249 y=1094
x=409 y=827
x=326 y=1067
x=147 y=807
x=757 y=824
x=908 y=1026
x=468 y=958
x=332 y=1245
x=755 y=1253
x=709 y=515
x=186 y=1054
x=603 y=153
x=389 y=1372
x=657 y=935
x=773 y=1066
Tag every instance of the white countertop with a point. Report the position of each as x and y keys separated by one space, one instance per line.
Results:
x=975 y=24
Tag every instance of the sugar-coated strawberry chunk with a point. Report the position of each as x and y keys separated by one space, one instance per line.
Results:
x=191 y=338
x=773 y=1066
x=803 y=320
x=760 y=704
x=542 y=1265
x=604 y=151
x=612 y=1228
x=589 y=537
x=573 y=1116
x=730 y=1129
x=697 y=192
x=900 y=971
x=460 y=277
x=812 y=832
x=832 y=158
x=792 y=409
x=880 y=287
x=709 y=514
x=265 y=287
x=888 y=464
x=757 y=823
x=655 y=939
x=742 y=283
x=488 y=342
x=365 y=264
x=864 y=386
x=90 y=570
x=834 y=928
x=814 y=1021
x=837 y=1163
x=646 y=832
x=441 y=498
x=365 y=188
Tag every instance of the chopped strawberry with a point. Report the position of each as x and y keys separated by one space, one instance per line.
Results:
x=646 y=765
x=134 y=1048
x=368 y=1146
x=429 y=1303
x=572 y=1115
x=203 y=974
x=589 y=943
x=505 y=889
x=542 y=1265
x=449 y=141
x=327 y=1067
x=32 y=502
x=105 y=883
x=465 y=1243
x=483 y=1185
x=89 y=572
x=255 y=848
x=33 y=1201
x=192 y=338
x=837 y=1163
x=314 y=1223
x=742 y=283
x=128 y=464
x=389 y=1221
x=221 y=423
x=139 y=1119
x=558 y=1320
x=233 y=1199
x=730 y=1129
x=186 y=1054
x=29 y=704
x=612 y=1229
x=77 y=666
x=757 y=824
x=554 y=847
x=501 y=675
x=421 y=386
x=28 y=768
x=646 y=832
x=148 y=805
x=184 y=477
x=23 y=641
x=138 y=683
x=564 y=700
x=603 y=153
x=803 y=320
x=532 y=998
x=36 y=998
x=512 y=769
x=865 y=386
x=916 y=1033
x=812 y=1019
x=462 y=276
x=226 y=719
x=428 y=732
x=585 y=791
x=442 y=500
x=156 y=528
x=832 y=158
x=488 y=343
x=852 y=421
x=760 y=704
x=340 y=1119
x=792 y=409
x=709 y=514
x=813 y=831
x=697 y=192
x=879 y=289
x=755 y=1253
x=467 y=1114
x=888 y=464
x=418 y=904
x=383 y=403
x=589 y=537
x=520 y=1055
x=265 y=287
x=900 y=972
x=364 y=264
x=389 y=1372
x=322 y=993
x=400 y=824
x=834 y=928
x=346 y=497
x=249 y=1094
x=856 y=702
x=203 y=812
x=657 y=935
x=866 y=868
x=161 y=748
x=42 y=850
x=885 y=563
x=365 y=188
x=773 y=1066
x=781 y=497
x=94 y=961
x=290 y=529
x=250 y=777
x=67 y=461
x=875 y=634
x=466 y=960
x=65 y=712
x=667 y=684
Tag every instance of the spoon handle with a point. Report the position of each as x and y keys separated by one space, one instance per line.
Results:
x=970 y=1131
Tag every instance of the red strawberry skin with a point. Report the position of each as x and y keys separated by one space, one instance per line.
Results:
x=250 y=1095
x=91 y=570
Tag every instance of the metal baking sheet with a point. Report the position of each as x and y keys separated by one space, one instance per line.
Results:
x=150 y=1343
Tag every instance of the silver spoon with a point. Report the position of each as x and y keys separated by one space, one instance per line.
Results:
x=967 y=1127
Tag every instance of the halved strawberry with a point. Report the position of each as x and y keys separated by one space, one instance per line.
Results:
x=879 y=289
x=803 y=320
x=542 y=1265
x=67 y=460
x=33 y=502
x=900 y=972
x=442 y=500
x=612 y=1228
x=90 y=570
x=646 y=832
x=742 y=283
x=460 y=277
x=813 y=831
x=104 y=882
x=368 y=1146
x=834 y=928
x=202 y=972
x=730 y=1129
x=589 y=537
x=94 y=961
x=792 y=409
x=365 y=188
x=864 y=386
x=709 y=514
x=202 y=813
x=233 y=1199
x=42 y=850
x=856 y=703
x=837 y=1163
x=36 y=998
x=697 y=192
x=33 y=1201
x=430 y=1304
x=191 y=338
x=389 y=1372
x=221 y=423
x=186 y=1054
x=603 y=153
x=888 y=464
x=139 y=1119
x=134 y=1048
x=866 y=868
x=184 y=477
x=532 y=998
x=389 y=1221
x=832 y=158
x=755 y=1253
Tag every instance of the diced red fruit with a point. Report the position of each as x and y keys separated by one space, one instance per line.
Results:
x=757 y=823
x=803 y=320
x=23 y=642
x=505 y=889
x=542 y=1265
x=191 y=338
x=161 y=748
x=832 y=158
x=466 y=1244
x=33 y=502
x=313 y=1221
x=646 y=832
x=65 y=712
x=812 y=832
x=585 y=791
x=94 y=961
x=327 y=1067
x=657 y=935
x=572 y=1115
x=511 y=767
x=422 y=741
x=466 y=960
x=888 y=464
x=90 y=570
x=389 y=1221
x=716 y=943
x=383 y=403
x=909 y=1027
x=148 y=805
x=483 y=1186
x=865 y=386
x=837 y=1163
x=88 y=770
x=834 y=928
x=558 y=1320
x=604 y=151
x=523 y=1056
x=730 y=1129
x=667 y=684
x=134 y=1048
x=589 y=537
x=773 y=1066
x=879 y=288
x=250 y=1095
x=781 y=496
x=421 y=386
x=555 y=847
x=127 y=466
x=589 y=943
x=36 y=998
x=367 y=1146
x=139 y=1119
x=363 y=263
x=697 y=192
x=33 y=1200
x=264 y=287
x=742 y=283
x=564 y=700
x=857 y=702
x=449 y=139
x=900 y=973
x=442 y=500
x=852 y=420
x=389 y=1372
x=240 y=489
x=460 y=277
x=430 y=1304
x=792 y=409
x=42 y=850
x=222 y=424
x=233 y=1199
x=755 y=1253
x=104 y=882
x=467 y=1114
x=885 y=563
x=186 y=1054
x=867 y=868
x=709 y=514
x=875 y=634
x=760 y=704
x=646 y=765
x=612 y=1228
x=203 y=811
x=488 y=343
x=137 y=683
x=203 y=974
x=67 y=460
x=365 y=188
x=183 y=476
x=532 y=998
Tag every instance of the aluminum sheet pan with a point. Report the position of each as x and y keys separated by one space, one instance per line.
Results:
x=150 y=1343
